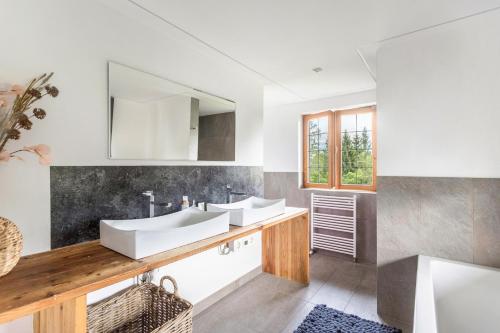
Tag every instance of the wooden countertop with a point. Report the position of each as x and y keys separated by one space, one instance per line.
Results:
x=44 y=279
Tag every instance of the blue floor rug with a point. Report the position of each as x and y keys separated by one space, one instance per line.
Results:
x=323 y=319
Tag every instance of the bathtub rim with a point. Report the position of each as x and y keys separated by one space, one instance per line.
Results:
x=424 y=305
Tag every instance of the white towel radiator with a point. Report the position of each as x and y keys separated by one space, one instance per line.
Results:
x=338 y=215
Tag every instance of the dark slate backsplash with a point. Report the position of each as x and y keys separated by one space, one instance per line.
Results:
x=83 y=195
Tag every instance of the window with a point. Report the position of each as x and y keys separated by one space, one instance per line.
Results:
x=318 y=149
x=340 y=149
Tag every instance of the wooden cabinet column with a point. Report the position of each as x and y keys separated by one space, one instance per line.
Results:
x=285 y=249
x=67 y=317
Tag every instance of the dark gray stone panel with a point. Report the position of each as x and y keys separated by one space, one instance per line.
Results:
x=83 y=195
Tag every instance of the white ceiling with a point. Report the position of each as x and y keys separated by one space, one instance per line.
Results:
x=282 y=40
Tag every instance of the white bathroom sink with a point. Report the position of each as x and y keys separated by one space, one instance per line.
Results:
x=251 y=210
x=140 y=238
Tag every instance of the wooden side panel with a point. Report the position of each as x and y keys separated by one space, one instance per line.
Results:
x=66 y=317
x=285 y=249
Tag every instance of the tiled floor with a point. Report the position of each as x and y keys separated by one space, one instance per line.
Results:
x=271 y=305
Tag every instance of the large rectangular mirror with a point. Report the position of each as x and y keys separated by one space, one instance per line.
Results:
x=157 y=119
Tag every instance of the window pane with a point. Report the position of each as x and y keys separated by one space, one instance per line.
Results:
x=356 y=168
x=348 y=123
x=323 y=125
x=364 y=121
x=313 y=159
x=323 y=176
x=349 y=176
x=364 y=176
x=365 y=159
x=323 y=141
x=356 y=147
x=318 y=159
x=323 y=159
x=313 y=126
x=313 y=175
x=313 y=143
x=365 y=140
x=349 y=140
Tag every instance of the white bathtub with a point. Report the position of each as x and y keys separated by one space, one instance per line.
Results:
x=456 y=297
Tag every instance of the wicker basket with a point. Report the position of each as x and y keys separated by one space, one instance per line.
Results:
x=11 y=245
x=145 y=308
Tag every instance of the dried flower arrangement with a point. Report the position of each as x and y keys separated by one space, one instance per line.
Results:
x=16 y=114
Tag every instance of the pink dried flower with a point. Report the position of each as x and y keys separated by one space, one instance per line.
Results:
x=17 y=89
x=45 y=160
x=43 y=152
x=4 y=156
x=18 y=101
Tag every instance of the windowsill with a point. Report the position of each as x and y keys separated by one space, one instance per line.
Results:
x=336 y=190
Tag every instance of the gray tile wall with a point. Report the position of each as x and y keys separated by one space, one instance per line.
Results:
x=83 y=195
x=286 y=185
x=452 y=218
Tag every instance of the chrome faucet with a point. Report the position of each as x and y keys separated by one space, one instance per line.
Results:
x=230 y=193
x=152 y=203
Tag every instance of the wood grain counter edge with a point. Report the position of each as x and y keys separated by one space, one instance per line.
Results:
x=44 y=279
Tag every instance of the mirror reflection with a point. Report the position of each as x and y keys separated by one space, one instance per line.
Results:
x=157 y=119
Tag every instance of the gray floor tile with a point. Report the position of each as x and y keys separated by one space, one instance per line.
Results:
x=337 y=291
x=268 y=304
x=209 y=321
x=322 y=266
x=300 y=290
x=259 y=306
x=298 y=317
x=363 y=303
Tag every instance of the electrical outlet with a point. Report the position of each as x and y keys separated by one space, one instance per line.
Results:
x=235 y=245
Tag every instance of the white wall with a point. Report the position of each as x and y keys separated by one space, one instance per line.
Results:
x=211 y=273
x=438 y=101
x=283 y=128
x=75 y=39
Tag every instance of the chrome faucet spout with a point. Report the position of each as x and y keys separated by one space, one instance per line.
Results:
x=230 y=193
x=151 y=202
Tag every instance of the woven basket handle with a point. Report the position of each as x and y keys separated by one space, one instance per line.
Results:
x=174 y=283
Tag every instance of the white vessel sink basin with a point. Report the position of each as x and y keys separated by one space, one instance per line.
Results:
x=140 y=238
x=251 y=210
